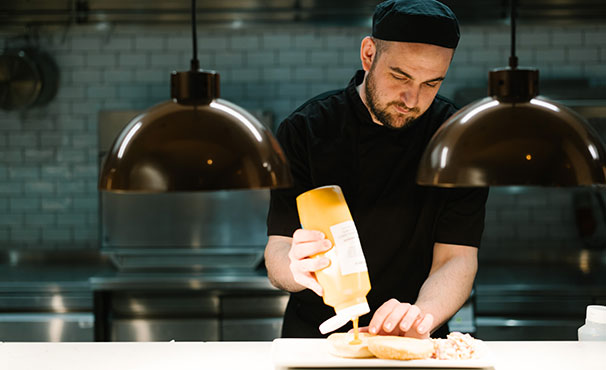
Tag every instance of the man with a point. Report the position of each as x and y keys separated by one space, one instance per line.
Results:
x=420 y=243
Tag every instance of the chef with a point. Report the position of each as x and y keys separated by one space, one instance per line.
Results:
x=420 y=243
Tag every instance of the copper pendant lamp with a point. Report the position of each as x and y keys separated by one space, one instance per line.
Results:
x=194 y=142
x=514 y=137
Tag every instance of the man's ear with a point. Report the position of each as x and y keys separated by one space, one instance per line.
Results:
x=368 y=52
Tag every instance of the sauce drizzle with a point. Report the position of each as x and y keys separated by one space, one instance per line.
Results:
x=356 y=339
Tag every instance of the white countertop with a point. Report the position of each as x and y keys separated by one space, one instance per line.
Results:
x=256 y=355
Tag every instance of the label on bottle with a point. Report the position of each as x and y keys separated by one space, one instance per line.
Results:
x=349 y=250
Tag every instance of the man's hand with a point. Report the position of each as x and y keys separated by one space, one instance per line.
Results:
x=306 y=244
x=403 y=319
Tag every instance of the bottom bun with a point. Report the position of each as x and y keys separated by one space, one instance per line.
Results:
x=340 y=345
x=400 y=348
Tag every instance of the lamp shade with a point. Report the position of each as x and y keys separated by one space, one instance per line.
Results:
x=498 y=142
x=195 y=142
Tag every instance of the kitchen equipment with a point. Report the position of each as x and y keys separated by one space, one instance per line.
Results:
x=526 y=290
x=46 y=327
x=45 y=295
x=194 y=142
x=313 y=353
x=194 y=231
x=29 y=77
x=534 y=300
x=514 y=137
x=189 y=265
x=185 y=306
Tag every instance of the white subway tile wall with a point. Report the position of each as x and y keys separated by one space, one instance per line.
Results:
x=48 y=155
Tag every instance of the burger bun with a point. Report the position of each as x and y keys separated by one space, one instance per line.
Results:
x=400 y=348
x=340 y=345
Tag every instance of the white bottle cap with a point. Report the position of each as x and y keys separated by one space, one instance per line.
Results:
x=343 y=316
x=596 y=314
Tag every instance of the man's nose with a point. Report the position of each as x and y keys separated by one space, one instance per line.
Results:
x=410 y=96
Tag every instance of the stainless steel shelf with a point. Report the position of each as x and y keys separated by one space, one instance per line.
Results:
x=163 y=281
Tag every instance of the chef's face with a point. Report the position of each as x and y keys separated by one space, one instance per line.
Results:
x=402 y=79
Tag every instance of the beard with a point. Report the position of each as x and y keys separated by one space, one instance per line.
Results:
x=394 y=120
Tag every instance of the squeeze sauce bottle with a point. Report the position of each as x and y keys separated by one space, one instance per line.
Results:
x=345 y=281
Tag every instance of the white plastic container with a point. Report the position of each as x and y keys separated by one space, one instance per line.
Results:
x=595 y=324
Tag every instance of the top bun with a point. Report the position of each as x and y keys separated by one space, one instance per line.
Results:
x=400 y=348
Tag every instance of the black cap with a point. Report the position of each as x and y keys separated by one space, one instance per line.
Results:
x=423 y=21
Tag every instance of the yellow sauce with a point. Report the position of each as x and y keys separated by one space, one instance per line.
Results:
x=356 y=339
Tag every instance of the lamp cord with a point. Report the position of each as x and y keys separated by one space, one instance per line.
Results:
x=195 y=64
x=513 y=59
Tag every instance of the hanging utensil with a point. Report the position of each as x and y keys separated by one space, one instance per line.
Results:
x=28 y=77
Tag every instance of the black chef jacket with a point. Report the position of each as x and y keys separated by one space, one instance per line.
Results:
x=332 y=140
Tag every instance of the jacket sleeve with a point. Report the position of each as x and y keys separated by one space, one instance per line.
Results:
x=461 y=220
x=282 y=217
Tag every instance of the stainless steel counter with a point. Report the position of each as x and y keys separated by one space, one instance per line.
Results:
x=45 y=295
x=49 y=281
x=52 y=296
x=227 y=305
x=44 y=271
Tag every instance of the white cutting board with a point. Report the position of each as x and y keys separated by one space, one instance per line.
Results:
x=314 y=353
